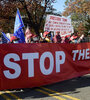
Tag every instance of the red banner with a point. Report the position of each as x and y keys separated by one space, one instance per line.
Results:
x=32 y=65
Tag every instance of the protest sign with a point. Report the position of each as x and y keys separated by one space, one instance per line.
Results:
x=57 y=23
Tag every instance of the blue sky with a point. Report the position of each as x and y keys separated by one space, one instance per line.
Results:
x=59 y=5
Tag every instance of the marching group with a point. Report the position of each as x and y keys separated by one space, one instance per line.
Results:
x=46 y=37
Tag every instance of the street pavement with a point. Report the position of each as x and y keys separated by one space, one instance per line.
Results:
x=73 y=89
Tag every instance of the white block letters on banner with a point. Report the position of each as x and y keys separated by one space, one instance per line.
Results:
x=30 y=57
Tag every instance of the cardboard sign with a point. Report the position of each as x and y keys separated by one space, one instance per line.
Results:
x=57 y=23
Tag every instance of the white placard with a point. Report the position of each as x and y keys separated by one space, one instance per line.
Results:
x=57 y=23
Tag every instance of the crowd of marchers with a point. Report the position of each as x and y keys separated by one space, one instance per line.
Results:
x=47 y=37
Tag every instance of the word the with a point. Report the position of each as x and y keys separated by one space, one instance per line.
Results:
x=81 y=54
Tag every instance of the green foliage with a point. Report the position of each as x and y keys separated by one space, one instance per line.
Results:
x=79 y=10
x=34 y=12
x=87 y=26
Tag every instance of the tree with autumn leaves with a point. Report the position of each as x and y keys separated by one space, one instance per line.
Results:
x=33 y=12
x=79 y=10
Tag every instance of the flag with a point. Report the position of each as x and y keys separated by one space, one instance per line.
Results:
x=4 y=38
x=28 y=34
x=81 y=37
x=18 y=28
x=73 y=37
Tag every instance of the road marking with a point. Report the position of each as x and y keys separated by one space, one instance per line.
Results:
x=12 y=95
x=4 y=96
x=67 y=96
x=52 y=95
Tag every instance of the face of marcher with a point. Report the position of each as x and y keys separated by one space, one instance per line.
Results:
x=57 y=33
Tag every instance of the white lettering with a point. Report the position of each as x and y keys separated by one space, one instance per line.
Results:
x=42 y=59
x=75 y=52
x=87 y=54
x=12 y=65
x=58 y=60
x=81 y=54
x=30 y=57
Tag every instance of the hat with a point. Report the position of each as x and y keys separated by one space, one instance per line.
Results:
x=57 y=31
x=29 y=36
x=13 y=38
x=35 y=38
x=45 y=33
